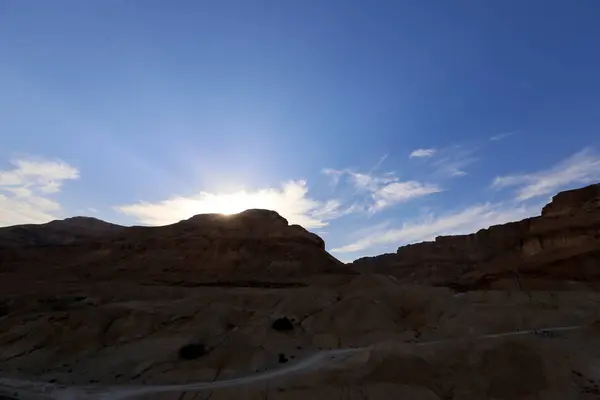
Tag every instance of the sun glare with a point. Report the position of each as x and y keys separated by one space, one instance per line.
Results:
x=290 y=201
x=229 y=203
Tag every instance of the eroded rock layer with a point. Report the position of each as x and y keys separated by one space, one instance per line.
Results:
x=559 y=249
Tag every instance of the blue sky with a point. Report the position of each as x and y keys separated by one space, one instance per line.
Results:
x=373 y=124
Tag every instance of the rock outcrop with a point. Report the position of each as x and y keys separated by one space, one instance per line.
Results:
x=252 y=246
x=59 y=232
x=559 y=249
x=576 y=201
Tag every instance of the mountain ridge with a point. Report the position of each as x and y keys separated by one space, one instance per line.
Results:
x=566 y=230
x=538 y=248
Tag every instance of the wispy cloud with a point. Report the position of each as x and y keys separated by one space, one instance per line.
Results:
x=334 y=174
x=399 y=192
x=370 y=182
x=291 y=201
x=451 y=162
x=503 y=135
x=465 y=221
x=420 y=153
x=447 y=162
x=379 y=163
x=381 y=191
x=26 y=190
x=580 y=168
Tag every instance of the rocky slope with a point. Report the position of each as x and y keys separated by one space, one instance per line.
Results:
x=559 y=249
x=415 y=342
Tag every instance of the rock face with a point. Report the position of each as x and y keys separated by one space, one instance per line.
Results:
x=59 y=232
x=560 y=248
x=575 y=201
x=255 y=245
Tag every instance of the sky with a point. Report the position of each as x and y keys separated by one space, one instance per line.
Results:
x=373 y=124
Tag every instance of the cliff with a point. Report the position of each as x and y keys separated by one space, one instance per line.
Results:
x=557 y=249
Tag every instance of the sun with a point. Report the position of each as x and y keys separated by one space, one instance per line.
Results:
x=230 y=204
x=225 y=203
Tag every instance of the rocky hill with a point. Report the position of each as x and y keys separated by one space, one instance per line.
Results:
x=255 y=245
x=559 y=249
x=59 y=232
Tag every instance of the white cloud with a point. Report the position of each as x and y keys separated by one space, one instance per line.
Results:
x=399 y=192
x=26 y=187
x=291 y=201
x=448 y=162
x=420 y=153
x=465 y=221
x=581 y=168
x=334 y=174
x=44 y=174
x=452 y=161
x=503 y=135
x=371 y=182
x=456 y=172
x=382 y=190
x=361 y=181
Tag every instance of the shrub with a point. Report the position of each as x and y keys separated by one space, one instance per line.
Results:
x=192 y=351
x=283 y=324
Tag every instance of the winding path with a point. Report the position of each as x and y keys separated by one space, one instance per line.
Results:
x=32 y=390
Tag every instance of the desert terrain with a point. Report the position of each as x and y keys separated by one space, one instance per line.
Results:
x=249 y=307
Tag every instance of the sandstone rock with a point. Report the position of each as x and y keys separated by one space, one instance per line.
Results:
x=255 y=247
x=560 y=246
x=586 y=199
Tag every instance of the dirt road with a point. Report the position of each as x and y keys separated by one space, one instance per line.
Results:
x=32 y=390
